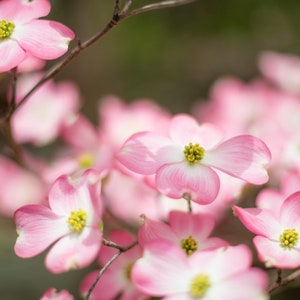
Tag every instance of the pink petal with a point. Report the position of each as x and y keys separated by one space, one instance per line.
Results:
x=248 y=285
x=222 y=259
x=213 y=242
x=145 y=152
x=38 y=227
x=199 y=182
x=258 y=221
x=273 y=255
x=70 y=194
x=162 y=270
x=74 y=251
x=11 y=55
x=53 y=294
x=44 y=39
x=185 y=224
x=152 y=230
x=21 y=11
x=290 y=211
x=244 y=157
x=185 y=129
x=80 y=133
x=270 y=199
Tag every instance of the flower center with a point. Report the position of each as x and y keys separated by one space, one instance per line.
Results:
x=6 y=29
x=193 y=153
x=189 y=245
x=199 y=286
x=77 y=220
x=289 y=238
x=86 y=160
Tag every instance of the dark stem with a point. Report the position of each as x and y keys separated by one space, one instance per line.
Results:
x=109 y=262
x=187 y=197
x=13 y=89
x=283 y=281
x=156 y=6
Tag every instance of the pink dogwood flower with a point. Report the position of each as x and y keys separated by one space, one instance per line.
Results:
x=277 y=235
x=22 y=32
x=223 y=273
x=52 y=294
x=72 y=221
x=184 y=161
x=189 y=231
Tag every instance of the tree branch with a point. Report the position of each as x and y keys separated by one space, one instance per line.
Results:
x=156 y=6
x=114 y=21
x=284 y=281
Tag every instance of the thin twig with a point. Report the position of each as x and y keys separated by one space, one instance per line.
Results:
x=102 y=270
x=114 y=21
x=187 y=197
x=109 y=262
x=284 y=281
x=156 y=6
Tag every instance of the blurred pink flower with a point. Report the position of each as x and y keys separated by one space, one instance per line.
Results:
x=30 y=188
x=184 y=161
x=281 y=69
x=277 y=234
x=52 y=294
x=138 y=196
x=40 y=119
x=21 y=32
x=165 y=270
x=72 y=222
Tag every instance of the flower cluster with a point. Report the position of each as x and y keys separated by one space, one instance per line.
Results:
x=144 y=193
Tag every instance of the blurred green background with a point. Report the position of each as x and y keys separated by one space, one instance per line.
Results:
x=172 y=56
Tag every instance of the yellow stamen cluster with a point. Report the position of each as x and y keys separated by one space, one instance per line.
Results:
x=6 y=29
x=193 y=153
x=199 y=286
x=289 y=238
x=189 y=245
x=86 y=160
x=77 y=220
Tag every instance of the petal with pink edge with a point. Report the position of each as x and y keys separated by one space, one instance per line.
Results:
x=162 y=270
x=11 y=55
x=290 y=211
x=222 y=259
x=44 y=39
x=25 y=10
x=74 y=251
x=185 y=129
x=177 y=180
x=273 y=255
x=259 y=221
x=244 y=157
x=76 y=193
x=38 y=227
x=248 y=285
x=145 y=152
x=152 y=230
x=185 y=224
